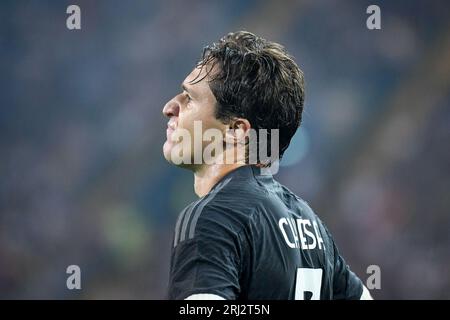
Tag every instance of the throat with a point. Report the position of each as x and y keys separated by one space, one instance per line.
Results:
x=208 y=176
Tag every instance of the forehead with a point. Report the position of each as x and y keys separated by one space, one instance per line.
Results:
x=199 y=77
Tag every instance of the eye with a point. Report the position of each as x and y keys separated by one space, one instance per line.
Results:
x=188 y=97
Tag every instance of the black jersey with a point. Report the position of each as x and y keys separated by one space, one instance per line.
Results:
x=252 y=238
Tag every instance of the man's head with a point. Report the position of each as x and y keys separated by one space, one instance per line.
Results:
x=242 y=82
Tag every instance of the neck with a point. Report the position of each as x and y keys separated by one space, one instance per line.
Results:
x=207 y=176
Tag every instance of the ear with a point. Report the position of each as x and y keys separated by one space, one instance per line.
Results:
x=237 y=131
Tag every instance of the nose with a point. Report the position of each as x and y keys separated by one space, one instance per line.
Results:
x=171 y=109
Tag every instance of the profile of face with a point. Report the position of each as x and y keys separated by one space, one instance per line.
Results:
x=195 y=103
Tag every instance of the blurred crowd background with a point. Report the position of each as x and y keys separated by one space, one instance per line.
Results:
x=83 y=180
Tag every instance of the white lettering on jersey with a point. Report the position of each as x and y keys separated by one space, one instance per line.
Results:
x=301 y=233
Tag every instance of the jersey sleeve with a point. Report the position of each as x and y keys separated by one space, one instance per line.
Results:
x=346 y=285
x=208 y=260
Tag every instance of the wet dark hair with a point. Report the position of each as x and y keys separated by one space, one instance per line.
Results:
x=257 y=80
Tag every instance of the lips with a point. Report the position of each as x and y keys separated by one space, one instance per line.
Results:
x=171 y=126
x=169 y=132
x=170 y=129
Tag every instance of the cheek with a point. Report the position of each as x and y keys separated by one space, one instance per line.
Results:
x=185 y=122
x=186 y=118
x=203 y=113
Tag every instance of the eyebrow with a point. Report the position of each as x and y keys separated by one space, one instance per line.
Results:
x=185 y=88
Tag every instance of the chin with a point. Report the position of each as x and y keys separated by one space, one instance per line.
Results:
x=167 y=149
